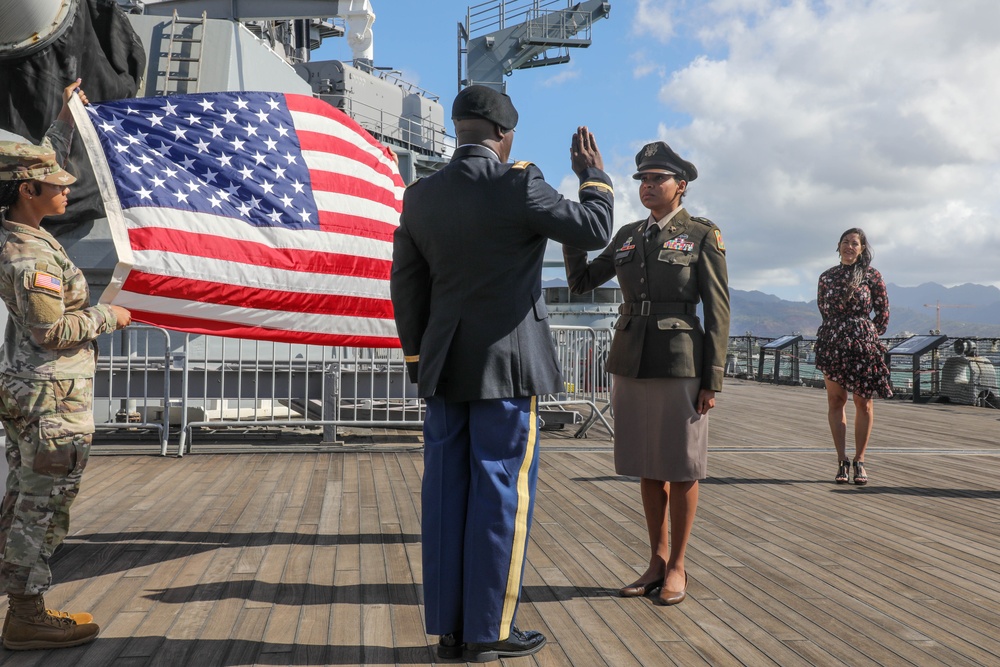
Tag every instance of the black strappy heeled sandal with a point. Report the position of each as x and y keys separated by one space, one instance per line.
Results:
x=843 y=473
x=860 y=476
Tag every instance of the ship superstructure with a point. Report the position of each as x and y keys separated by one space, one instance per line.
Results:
x=198 y=46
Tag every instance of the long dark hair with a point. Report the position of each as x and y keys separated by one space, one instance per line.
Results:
x=860 y=267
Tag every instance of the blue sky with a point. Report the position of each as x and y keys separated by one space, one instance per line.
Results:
x=803 y=117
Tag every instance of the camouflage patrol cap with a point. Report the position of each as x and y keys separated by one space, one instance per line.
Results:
x=659 y=158
x=27 y=162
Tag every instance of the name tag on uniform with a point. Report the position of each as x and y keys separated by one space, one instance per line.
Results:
x=626 y=250
x=48 y=282
x=679 y=244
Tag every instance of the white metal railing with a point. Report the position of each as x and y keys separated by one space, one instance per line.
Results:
x=499 y=14
x=418 y=135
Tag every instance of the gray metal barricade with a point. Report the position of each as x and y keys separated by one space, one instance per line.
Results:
x=132 y=382
x=580 y=358
x=240 y=383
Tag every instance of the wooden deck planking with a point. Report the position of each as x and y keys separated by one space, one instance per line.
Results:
x=800 y=554
x=314 y=558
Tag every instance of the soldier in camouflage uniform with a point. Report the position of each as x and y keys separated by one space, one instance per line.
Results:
x=46 y=390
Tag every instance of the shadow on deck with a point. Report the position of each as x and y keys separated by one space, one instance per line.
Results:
x=314 y=558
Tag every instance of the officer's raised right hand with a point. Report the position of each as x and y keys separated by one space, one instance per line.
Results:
x=584 y=152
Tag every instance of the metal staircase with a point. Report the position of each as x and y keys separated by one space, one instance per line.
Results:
x=499 y=37
x=185 y=49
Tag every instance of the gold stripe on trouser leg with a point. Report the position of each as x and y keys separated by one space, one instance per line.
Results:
x=520 y=527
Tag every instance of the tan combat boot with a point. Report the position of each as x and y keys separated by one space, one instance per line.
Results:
x=79 y=617
x=30 y=626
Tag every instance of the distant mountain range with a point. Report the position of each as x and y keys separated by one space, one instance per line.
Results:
x=966 y=310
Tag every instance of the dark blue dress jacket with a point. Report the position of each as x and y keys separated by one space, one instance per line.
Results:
x=466 y=273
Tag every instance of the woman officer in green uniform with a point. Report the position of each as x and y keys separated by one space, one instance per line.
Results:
x=667 y=365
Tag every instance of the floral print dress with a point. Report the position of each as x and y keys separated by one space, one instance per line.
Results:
x=848 y=349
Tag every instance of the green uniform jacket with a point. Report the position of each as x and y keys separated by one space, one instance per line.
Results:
x=51 y=323
x=658 y=333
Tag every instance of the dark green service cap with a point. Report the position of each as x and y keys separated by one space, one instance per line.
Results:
x=659 y=158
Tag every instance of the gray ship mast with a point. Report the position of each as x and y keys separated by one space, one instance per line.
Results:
x=499 y=37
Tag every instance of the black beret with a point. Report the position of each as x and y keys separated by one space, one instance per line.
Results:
x=484 y=102
x=660 y=158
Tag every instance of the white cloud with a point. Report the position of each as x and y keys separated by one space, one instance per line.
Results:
x=645 y=65
x=564 y=74
x=823 y=116
x=655 y=19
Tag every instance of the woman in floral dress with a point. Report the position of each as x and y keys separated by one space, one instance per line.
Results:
x=848 y=350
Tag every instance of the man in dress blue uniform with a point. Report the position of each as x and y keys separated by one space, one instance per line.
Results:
x=466 y=290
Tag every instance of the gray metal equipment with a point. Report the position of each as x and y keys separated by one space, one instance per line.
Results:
x=499 y=37
x=969 y=379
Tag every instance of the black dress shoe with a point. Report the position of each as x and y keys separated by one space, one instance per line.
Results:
x=450 y=647
x=517 y=645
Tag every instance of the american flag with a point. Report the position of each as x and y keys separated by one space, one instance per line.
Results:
x=247 y=214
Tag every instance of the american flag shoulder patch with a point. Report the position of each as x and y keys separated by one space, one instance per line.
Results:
x=47 y=281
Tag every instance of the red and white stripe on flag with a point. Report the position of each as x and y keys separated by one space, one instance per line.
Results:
x=252 y=215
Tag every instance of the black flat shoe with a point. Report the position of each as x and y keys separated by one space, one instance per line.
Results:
x=517 y=645
x=450 y=647
x=637 y=590
x=843 y=472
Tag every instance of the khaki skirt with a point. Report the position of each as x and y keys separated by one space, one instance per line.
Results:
x=658 y=433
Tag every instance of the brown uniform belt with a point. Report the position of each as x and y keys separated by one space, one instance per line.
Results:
x=657 y=308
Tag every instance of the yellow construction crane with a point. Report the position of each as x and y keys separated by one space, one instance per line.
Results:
x=937 y=305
